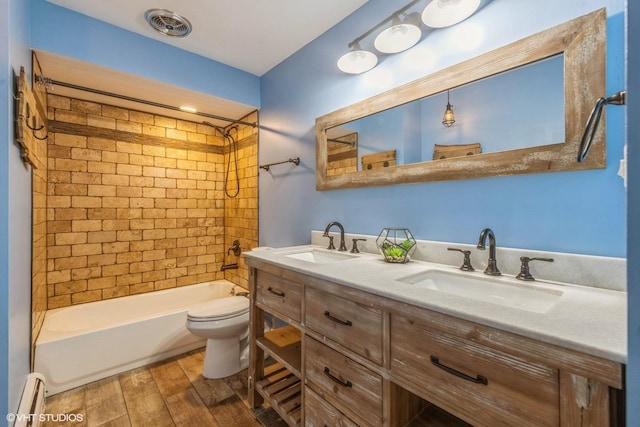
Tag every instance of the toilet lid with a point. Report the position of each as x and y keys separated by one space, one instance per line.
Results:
x=221 y=308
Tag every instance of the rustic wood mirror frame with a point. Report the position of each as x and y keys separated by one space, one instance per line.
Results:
x=582 y=41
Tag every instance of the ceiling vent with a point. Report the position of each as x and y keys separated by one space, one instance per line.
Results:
x=168 y=23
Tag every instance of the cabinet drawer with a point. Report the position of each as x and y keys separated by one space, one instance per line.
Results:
x=350 y=387
x=479 y=384
x=280 y=295
x=355 y=326
x=318 y=413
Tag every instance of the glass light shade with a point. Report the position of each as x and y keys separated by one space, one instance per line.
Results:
x=397 y=38
x=444 y=13
x=357 y=61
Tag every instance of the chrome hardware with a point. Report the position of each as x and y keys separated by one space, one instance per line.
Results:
x=524 y=267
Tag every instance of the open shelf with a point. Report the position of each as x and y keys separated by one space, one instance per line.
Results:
x=283 y=344
x=282 y=389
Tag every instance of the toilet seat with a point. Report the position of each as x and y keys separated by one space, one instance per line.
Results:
x=219 y=309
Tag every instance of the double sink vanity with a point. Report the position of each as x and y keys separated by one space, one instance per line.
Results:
x=366 y=342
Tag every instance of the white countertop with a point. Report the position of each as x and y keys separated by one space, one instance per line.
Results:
x=586 y=319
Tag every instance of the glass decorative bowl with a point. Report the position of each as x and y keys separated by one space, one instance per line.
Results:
x=396 y=244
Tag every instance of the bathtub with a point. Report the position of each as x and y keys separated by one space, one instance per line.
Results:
x=87 y=342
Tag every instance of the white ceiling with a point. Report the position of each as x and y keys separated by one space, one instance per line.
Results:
x=251 y=35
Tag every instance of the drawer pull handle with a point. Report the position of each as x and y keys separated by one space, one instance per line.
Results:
x=335 y=319
x=328 y=373
x=478 y=380
x=277 y=293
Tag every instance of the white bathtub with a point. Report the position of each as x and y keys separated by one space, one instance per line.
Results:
x=87 y=342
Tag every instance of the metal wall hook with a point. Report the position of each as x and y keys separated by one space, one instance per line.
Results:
x=619 y=98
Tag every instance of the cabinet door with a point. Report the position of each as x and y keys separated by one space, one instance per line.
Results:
x=483 y=386
x=318 y=413
x=353 y=389
x=355 y=326
x=279 y=296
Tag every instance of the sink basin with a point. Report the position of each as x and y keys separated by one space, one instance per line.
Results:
x=320 y=256
x=499 y=290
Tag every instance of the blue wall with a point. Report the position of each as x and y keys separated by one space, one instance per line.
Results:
x=15 y=215
x=580 y=212
x=74 y=35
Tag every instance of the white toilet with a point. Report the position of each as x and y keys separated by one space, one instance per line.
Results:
x=225 y=323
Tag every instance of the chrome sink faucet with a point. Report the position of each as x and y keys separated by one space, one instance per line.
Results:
x=343 y=246
x=492 y=265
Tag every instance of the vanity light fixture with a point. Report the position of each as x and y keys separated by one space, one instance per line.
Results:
x=444 y=13
x=357 y=61
x=401 y=35
x=449 y=118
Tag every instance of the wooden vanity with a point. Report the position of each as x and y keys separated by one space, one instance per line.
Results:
x=348 y=357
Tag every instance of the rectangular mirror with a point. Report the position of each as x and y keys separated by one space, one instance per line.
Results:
x=519 y=109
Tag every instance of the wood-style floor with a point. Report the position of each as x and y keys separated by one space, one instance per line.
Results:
x=174 y=393
x=168 y=393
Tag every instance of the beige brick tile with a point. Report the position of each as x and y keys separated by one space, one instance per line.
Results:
x=126 y=236
x=58 y=152
x=128 y=126
x=128 y=279
x=141 y=181
x=69 y=263
x=86 y=106
x=129 y=147
x=58 y=301
x=165 y=122
x=101 y=122
x=165 y=182
x=140 y=117
x=59 y=252
x=153 y=235
x=196 y=137
x=153 y=130
x=154 y=171
x=153 y=213
x=70 y=238
x=164 y=284
x=70 y=165
x=54 y=277
x=87 y=249
x=162 y=203
x=85 y=178
x=115 y=247
x=81 y=225
x=177 y=134
x=124 y=213
x=140 y=288
x=112 y=179
x=165 y=223
x=102 y=144
x=58 y=102
x=161 y=243
x=71 y=117
x=176 y=193
x=140 y=267
x=101 y=213
x=115 y=224
x=101 y=237
x=120 y=291
x=100 y=167
x=116 y=202
x=70 y=287
x=152 y=276
x=187 y=164
x=176 y=153
x=101 y=283
x=86 y=273
x=175 y=233
x=141 y=202
x=101 y=260
x=142 y=245
x=86 y=202
x=177 y=253
x=115 y=112
x=141 y=224
x=186 y=184
x=115 y=157
x=87 y=296
x=186 y=280
x=59 y=227
x=176 y=272
x=186 y=261
x=102 y=190
x=115 y=270
x=127 y=192
x=138 y=159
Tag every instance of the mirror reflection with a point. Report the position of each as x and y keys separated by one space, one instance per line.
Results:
x=518 y=108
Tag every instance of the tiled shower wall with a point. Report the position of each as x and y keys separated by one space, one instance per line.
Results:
x=136 y=202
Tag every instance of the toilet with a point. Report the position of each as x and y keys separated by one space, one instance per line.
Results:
x=225 y=324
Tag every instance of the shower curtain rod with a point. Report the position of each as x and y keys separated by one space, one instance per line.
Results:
x=140 y=101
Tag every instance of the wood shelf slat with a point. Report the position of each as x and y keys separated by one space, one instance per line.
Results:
x=282 y=389
x=283 y=344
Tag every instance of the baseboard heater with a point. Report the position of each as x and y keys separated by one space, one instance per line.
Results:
x=32 y=402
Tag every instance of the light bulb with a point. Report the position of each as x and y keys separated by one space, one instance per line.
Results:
x=357 y=61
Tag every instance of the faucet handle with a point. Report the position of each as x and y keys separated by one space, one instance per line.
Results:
x=525 y=274
x=331 y=246
x=354 y=249
x=466 y=264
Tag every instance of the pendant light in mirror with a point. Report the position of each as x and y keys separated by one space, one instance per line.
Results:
x=449 y=118
x=444 y=13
